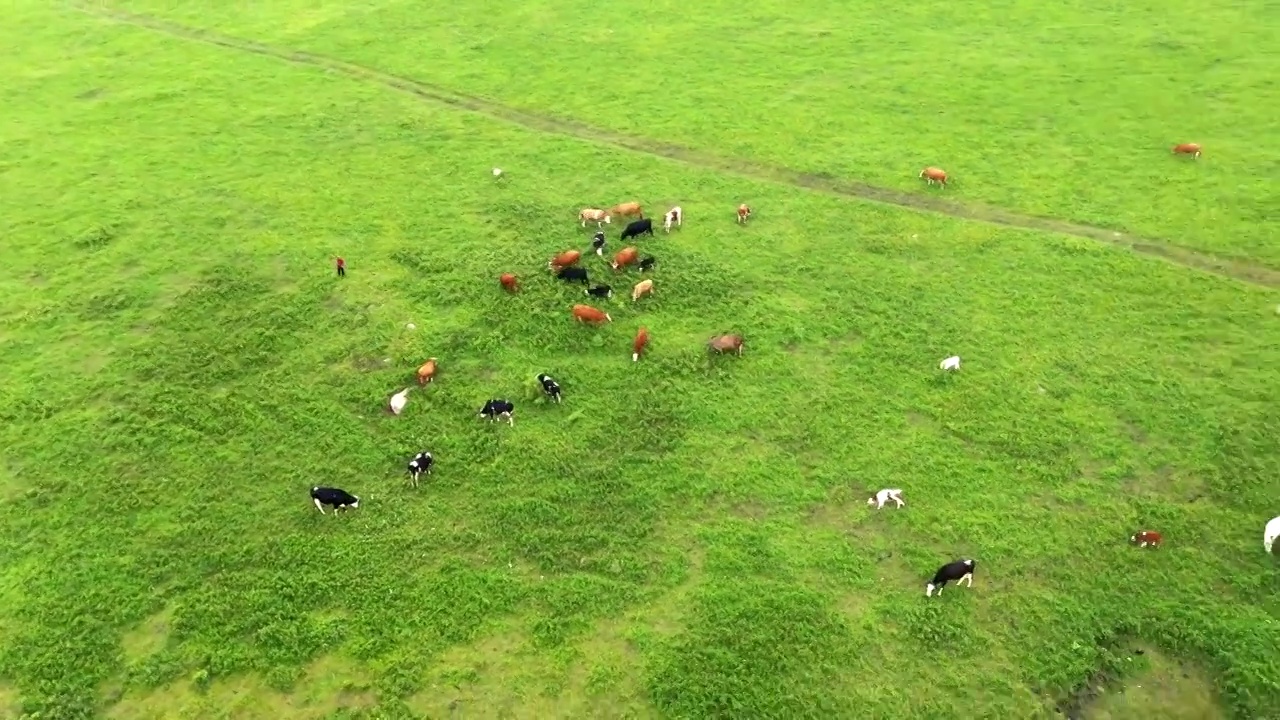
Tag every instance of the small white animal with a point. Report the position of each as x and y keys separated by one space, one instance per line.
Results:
x=951 y=363
x=1271 y=533
x=497 y=173
x=884 y=496
x=674 y=215
x=399 y=400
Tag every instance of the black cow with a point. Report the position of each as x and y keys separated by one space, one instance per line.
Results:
x=333 y=497
x=597 y=242
x=637 y=228
x=602 y=291
x=497 y=409
x=647 y=263
x=573 y=274
x=550 y=387
x=421 y=463
x=960 y=570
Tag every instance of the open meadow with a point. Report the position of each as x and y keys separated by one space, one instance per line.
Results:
x=684 y=536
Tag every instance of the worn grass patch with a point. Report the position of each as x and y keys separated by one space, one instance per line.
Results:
x=1158 y=687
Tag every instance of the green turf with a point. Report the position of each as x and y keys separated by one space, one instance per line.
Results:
x=682 y=537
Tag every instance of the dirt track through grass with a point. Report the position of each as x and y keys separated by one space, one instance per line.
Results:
x=1241 y=271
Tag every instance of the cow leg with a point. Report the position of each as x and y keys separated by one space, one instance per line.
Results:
x=968 y=577
x=318 y=505
x=898 y=500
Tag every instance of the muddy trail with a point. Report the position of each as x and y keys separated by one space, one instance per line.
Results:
x=1234 y=269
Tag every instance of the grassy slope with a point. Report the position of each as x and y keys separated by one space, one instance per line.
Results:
x=1064 y=110
x=685 y=538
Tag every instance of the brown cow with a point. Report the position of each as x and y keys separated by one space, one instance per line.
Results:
x=427 y=371
x=564 y=259
x=627 y=209
x=508 y=282
x=642 y=288
x=625 y=257
x=725 y=343
x=586 y=313
x=744 y=212
x=637 y=347
x=1145 y=538
x=595 y=215
x=1192 y=149
x=934 y=175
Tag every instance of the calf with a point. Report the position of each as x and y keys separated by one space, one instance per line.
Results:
x=885 y=496
x=959 y=571
x=642 y=339
x=744 y=212
x=1270 y=533
x=427 y=372
x=627 y=209
x=934 y=175
x=499 y=409
x=647 y=263
x=674 y=216
x=951 y=363
x=725 y=343
x=625 y=257
x=421 y=463
x=597 y=242
x=597 y=216
x=333 y=497
x=600 y=291
x=564 y=259
x=508 y=282
x=550 y=387
x=1145 y=538
x=642 y=288
x=588 y=314
x=636 y=229
x=573 y=274
x=1192 y=149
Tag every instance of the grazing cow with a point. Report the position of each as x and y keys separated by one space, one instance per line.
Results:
x=744 y=212
x=564 y=259
x=600 y=291
x=1145 y=538
x=550 y=387
x=636 y=229
x=398 y=401
x=597 y=216
x=499 y=409
x=1192 y=149
x=951 y=363
x=508 y=282
x=625 y=257
x=427 y=372
x=497 y=173
x=421 y=463
x=647 y=263
x=573 y=274
x=1270 y=533
x=627 y=209
x=959 y=571
x=725 y=343
x=588 y=314
x=642 y=288
x=884 y=496
x=674 y=216
x=334 y=498
x=642 y=339
x=597 y=242
x=934 y=175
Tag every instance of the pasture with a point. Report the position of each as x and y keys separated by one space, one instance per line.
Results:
x=683 y=537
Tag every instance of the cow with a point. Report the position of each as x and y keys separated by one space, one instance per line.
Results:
x=636 y=229
x=600 y=291
x=564 y=259
x=1145 y=538
x=725 y=343
x=398 y=401
x=884 y=496
x=642 y=288
x=421 y=463
x=427 y=372
x=642 y=339
x=588 y=314
x=960 y=570
x=597 y=216
x=674 y=216
x=1192 y=149
x=625 y=257
x=647 y=263
x=499 y=409
x=1270 y=533
x=508 y=282
x=573 y=274
x=934 y=175
x=550 y=387
x=627 y=209
x=744 y=212
x=951 y=363
x=597 y=242
x=334 y=497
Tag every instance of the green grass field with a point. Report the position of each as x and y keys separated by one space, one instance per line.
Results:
x=682 y=538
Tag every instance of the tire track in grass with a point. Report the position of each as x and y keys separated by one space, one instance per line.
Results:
x=1242 y=271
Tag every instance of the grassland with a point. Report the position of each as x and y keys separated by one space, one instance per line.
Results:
x=681 y=538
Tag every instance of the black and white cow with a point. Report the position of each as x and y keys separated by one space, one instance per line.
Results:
x=550 y=387
x=421 y=463
x=600 y=291
x=597 y=242
x=647 y=263
x=960 y=570
x=498 y=409
x=637 y=228
x=333 y=497
x=573 y=274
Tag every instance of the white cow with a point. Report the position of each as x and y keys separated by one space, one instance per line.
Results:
x=884 y=496
x=674 y=216
x=951 y=363
x=398 y=401
x=1270 y=534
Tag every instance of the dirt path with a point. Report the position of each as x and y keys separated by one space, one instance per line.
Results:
x=1237 y=270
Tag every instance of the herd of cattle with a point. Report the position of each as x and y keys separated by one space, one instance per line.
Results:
x=564 y=266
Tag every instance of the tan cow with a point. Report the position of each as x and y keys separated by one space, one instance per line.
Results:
x=595 y=215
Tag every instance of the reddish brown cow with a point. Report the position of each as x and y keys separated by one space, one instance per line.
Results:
x=1192 y=149
x=586 y=313
x=508 y=282
x=564 y=259
x=1145 y=538
x=625 y=257
x=744 y=212
x=637 y=347
x=427 y=371
x=627 y=209
x=725 y=343
x=934 y=175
